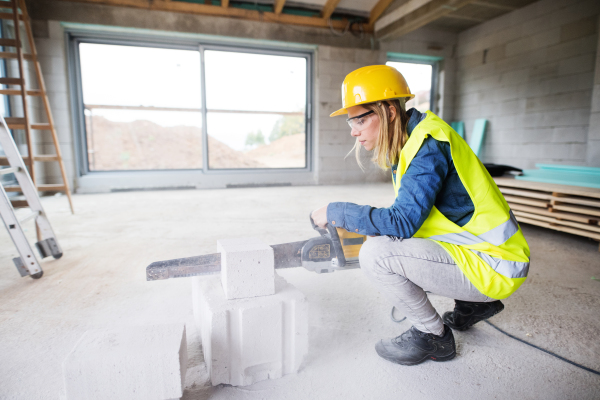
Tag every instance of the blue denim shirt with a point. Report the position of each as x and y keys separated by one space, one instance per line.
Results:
x=431 y=179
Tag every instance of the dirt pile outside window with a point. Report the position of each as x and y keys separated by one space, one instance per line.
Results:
x=144 y=145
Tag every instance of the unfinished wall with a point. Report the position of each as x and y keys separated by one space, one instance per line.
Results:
x=593 y=145
x=49 y=42
x=530 y=73
x=333 y=139
x=34 y=104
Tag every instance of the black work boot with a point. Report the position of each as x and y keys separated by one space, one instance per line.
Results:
x=468 y=313
x=413 y=347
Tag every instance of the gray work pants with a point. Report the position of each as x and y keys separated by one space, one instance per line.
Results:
x=403 y=269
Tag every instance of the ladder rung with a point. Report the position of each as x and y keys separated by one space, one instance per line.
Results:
x=4 y=54
x=41 y=158
x=6 y=171
x=54 y=187
x=40 y=127
x=11 y=81
x=17 y=92
x=19 y=203
x=28 y=217
x=15 y=126
x=9 y=15
x=9 y=42
x=14 y=120
x=46 y=158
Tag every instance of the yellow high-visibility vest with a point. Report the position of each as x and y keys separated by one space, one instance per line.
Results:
x=490 y=249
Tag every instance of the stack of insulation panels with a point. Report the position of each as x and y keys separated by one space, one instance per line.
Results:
x=565 y=208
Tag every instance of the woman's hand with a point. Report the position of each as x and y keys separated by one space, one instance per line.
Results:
x=319 y=216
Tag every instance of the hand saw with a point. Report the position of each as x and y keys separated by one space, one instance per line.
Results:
x=336 y=249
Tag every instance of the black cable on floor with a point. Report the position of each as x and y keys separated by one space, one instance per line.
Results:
x=394 y=319
x=593 y=371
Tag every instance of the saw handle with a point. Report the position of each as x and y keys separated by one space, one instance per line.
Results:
x=321 y=231
x=331 y=233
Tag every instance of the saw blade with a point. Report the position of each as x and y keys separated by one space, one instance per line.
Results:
x=287 y=255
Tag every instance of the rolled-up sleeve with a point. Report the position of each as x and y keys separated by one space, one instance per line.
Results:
x=418 y=191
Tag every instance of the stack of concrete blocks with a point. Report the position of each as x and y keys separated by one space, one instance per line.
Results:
x=253 y=324
x=145 y=363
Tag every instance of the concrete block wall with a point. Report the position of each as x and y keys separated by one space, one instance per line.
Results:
x=333 y=137
x=50 y=45
x=530 y=73
x=593 y=145
x=34 y=105
x=432 y=42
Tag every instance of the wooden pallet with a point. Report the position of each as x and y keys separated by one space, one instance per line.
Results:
x=571 y=209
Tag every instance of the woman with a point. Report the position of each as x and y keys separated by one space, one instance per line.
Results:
x=449 y=231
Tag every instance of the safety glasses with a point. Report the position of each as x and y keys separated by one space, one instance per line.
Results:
x=361 y=121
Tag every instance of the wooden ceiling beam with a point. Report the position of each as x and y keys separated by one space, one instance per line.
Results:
x=494 y=5
x=376 y=11
x=415 y=14
x=328 y=8
x=218 y=11
x=464 y=18
x=278 y=6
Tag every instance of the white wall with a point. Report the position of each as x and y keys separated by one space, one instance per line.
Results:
x=535 y=84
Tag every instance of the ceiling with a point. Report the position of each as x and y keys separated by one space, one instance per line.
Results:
x=477 y=12
x=387 y=19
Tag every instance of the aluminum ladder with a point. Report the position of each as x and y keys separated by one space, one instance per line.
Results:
x=27 y=263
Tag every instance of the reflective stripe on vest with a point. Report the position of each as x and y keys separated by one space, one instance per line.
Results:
x=510 y=269
x=495 y=236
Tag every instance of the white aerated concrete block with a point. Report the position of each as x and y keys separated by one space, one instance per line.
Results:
x=252 y=339
x=146 y=363
x=247 y=267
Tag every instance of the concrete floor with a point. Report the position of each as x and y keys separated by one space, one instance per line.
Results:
x=100 y=282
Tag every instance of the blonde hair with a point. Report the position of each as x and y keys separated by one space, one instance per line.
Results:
x=392 y=135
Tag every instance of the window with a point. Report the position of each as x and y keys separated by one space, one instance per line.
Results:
x=256 y=110
x=142 y=108
x=420 y=78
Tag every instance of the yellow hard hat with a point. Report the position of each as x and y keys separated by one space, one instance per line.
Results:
x=370 y=84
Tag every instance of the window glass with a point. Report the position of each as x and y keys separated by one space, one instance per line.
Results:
x=256 y=110
x=419 y=78
x=142 y=107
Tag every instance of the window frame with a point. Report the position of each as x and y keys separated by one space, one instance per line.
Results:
x=424 y=60
x=74 y=38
